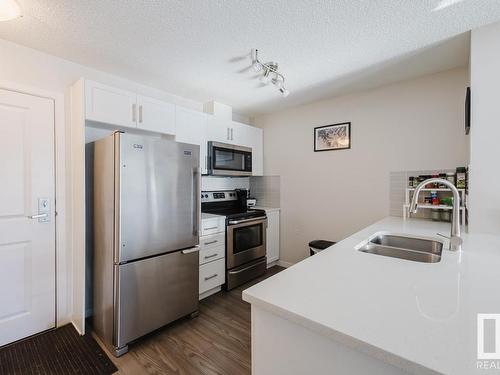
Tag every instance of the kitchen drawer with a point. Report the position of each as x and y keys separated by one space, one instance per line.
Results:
x=215 y=240
x=213 y=226
x=212 y=253
x=212 y=275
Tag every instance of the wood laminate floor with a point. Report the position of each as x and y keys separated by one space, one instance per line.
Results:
x=215 y=342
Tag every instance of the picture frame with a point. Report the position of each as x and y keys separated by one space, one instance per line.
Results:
x=332 y=137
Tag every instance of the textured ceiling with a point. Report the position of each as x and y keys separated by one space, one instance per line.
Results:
x=199 y=48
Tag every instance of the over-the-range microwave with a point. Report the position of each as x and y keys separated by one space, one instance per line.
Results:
x=229 y=160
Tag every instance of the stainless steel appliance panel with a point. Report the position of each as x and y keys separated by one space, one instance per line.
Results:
x=154 y=292
x=242 y=274
x=246 y=240
x=159 y=196
x=104 y=238
x=229 y=160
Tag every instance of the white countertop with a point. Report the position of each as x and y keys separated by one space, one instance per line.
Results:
x=267 y=209
x=420 y=317
x=205 y=215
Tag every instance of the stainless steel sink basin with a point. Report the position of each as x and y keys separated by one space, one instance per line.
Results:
x=403 y=247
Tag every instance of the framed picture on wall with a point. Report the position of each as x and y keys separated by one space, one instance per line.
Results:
x=332 y=137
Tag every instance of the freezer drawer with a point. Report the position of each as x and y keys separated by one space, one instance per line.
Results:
x=154 y=292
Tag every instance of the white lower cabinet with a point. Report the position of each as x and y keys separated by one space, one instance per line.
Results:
x=212 y=226
x=273 y=235
x=212 y=255
x=212 y=275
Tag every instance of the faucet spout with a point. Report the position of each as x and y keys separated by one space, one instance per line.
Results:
x=455 y=238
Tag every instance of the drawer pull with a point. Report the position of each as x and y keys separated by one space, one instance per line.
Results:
x=210 y=228
x=211 y=256
x=211 y=277
x=211 y=242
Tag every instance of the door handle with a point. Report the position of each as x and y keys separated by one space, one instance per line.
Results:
x=211 y=277
x=228 y=134
x=232 y=138
x=256 y=219
x=210 y=256
x=43 y=214
x=140 y=113
x=134 y=107
x=211 y=242
x=38 y=216
x=191 y=250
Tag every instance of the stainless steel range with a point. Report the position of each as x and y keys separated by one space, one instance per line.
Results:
x=245 y=234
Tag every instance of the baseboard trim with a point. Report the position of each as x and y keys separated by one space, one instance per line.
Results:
x=209 y=292
x=282 y=263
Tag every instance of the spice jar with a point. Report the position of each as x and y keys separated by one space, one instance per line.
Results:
x=451 y=177
x=461 y=177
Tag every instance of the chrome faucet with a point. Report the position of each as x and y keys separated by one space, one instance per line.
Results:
x=455 y=239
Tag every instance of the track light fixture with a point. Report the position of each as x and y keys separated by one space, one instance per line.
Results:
x=270 y=73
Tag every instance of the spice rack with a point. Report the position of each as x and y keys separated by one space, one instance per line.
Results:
x=409 y=193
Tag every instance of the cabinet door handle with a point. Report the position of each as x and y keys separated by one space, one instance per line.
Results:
x=228 y=134
x=210 y=228
x=211 y=277
x=39 y=216
x=140 y=113
x=211 y=242
x=211 y=256
x=134 y=108
x=232 y=138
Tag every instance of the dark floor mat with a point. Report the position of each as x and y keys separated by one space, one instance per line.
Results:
x=62 y=351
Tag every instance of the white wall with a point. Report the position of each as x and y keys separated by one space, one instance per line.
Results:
x=27 y=67
x=484 y=177
x=411 y=125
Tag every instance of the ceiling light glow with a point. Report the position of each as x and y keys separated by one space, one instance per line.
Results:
x=9 y=9
x=443 y=4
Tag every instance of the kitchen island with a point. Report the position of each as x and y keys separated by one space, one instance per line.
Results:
x=348 y=312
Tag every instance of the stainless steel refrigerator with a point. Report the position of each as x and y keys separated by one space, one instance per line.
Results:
x=146 y=223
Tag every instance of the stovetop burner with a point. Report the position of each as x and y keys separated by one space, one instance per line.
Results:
x=226 y=203
x=235 y=213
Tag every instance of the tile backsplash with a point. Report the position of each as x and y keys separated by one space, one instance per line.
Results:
x=266 y=189
x=211 y=183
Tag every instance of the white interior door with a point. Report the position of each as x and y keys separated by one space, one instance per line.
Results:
x=27 y=245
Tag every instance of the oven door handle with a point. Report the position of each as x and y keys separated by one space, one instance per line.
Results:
x=236 y=222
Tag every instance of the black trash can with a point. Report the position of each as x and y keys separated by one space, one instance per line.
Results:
x=317 y=245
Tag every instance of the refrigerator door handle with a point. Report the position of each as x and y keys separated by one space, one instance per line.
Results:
x=197 y=199
x=191 y=250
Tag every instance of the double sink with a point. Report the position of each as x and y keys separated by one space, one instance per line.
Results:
x=404 y=247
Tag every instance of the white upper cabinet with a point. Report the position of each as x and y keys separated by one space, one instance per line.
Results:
x=257 y=143
x=127 y=109
x=250 y=136
x=109 y=105
x=155 y=115
x=218 y=130
x=191 y=128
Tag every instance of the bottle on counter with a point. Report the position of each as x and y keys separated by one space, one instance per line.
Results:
x=434 y=198
x=443 y=177
x=411 y=181
x=461 y=177
x=450 y=176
